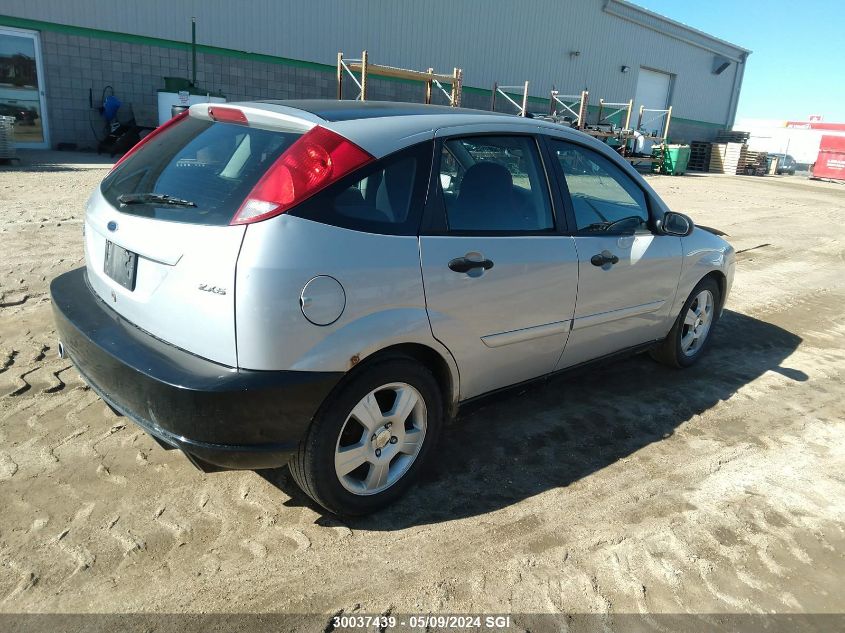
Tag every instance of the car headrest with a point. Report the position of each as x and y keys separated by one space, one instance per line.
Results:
x=485 y=198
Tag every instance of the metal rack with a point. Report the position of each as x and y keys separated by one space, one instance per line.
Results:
x=522 y=109
x=625 y=107
x=659 y=114
x=563 y=106
x=428 y=77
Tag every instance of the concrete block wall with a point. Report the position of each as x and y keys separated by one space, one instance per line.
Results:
x=73 y=65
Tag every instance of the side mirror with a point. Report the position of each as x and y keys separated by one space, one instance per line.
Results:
x=676 y=224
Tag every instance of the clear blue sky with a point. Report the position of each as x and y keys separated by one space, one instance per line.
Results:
x=797 y=64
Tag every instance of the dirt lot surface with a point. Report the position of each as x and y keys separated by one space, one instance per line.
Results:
x=630 y=488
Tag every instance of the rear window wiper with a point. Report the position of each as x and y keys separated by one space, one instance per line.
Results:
x=153 y=198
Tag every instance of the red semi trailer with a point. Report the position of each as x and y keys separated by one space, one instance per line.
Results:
x=831 y=160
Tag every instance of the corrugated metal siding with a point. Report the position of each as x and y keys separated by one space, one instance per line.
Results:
x=667 y=26
x=492 y=40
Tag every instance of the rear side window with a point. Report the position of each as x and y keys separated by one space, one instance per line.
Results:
x=494 y=183
x=384 y=197
x=213 y=165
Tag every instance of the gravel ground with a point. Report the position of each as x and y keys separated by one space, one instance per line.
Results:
x=626 y=489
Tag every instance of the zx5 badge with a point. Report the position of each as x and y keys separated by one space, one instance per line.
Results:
x=213 y=289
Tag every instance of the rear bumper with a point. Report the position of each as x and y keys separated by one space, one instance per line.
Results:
x=223 y=416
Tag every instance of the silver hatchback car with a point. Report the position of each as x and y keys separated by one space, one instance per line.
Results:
x=323 y=283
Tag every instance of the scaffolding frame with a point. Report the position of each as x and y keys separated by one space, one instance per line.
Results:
x=625 y=107
x=522 y=108
x=659 y=114
x=567 y=103
x=428 y=77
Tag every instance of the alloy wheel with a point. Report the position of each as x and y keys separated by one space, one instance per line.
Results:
x=697 y=322
x=380 y=439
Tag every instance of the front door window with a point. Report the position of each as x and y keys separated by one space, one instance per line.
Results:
x=604 y=199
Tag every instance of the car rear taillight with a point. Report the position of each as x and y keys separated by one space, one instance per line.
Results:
x=161 y=128
x=316 y=160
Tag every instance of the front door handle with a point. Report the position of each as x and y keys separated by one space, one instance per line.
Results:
x=464 y=265
x=603 y=258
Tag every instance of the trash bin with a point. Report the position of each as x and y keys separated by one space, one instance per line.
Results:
x=675 y=159
x=167 y=101
x=175 y=84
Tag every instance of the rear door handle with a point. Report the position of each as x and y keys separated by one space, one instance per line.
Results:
x=603 y=258
x=464 y=265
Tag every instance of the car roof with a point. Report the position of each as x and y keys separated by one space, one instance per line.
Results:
x=345 y=110
x=384 y=127
x=381 y=127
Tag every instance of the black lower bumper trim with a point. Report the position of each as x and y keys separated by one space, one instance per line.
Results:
x=224 y=416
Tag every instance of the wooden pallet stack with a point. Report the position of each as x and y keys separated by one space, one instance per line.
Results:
x=726 y=158
x=756 y=164
x=732 y=136
x=728 y=155
x=699 y=157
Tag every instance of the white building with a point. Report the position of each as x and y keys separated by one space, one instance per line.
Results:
x=799 y=139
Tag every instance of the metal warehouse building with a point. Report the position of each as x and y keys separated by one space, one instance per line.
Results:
x=58 y=56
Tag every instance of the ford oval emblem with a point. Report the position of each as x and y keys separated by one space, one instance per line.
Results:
x=112 y=226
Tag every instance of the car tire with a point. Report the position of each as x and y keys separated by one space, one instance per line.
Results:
x=691 y=333
x=359 y=420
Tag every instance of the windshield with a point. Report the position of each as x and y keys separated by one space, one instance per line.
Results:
x=208 y=167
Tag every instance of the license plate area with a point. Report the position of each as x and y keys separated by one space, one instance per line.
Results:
x=121 y=265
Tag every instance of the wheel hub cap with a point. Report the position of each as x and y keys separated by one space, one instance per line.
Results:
x=382 y=438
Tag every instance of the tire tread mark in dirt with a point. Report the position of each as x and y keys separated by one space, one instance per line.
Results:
x=42 y=353
x=105 y=474
x=129 y=543
x=79 y=555
x=74 y=434
x=60 y=384
x=25 y=386
x=178 y=531
x=16 y=302
x=27 y=579
x=299 y=537
x=245 y=497
x=330 y=627
x=9 y=361
x=386 y=614
x=115 y=428
x=752 y=248
x=8 y=466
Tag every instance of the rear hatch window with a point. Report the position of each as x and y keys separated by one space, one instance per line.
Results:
x=210 y=165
